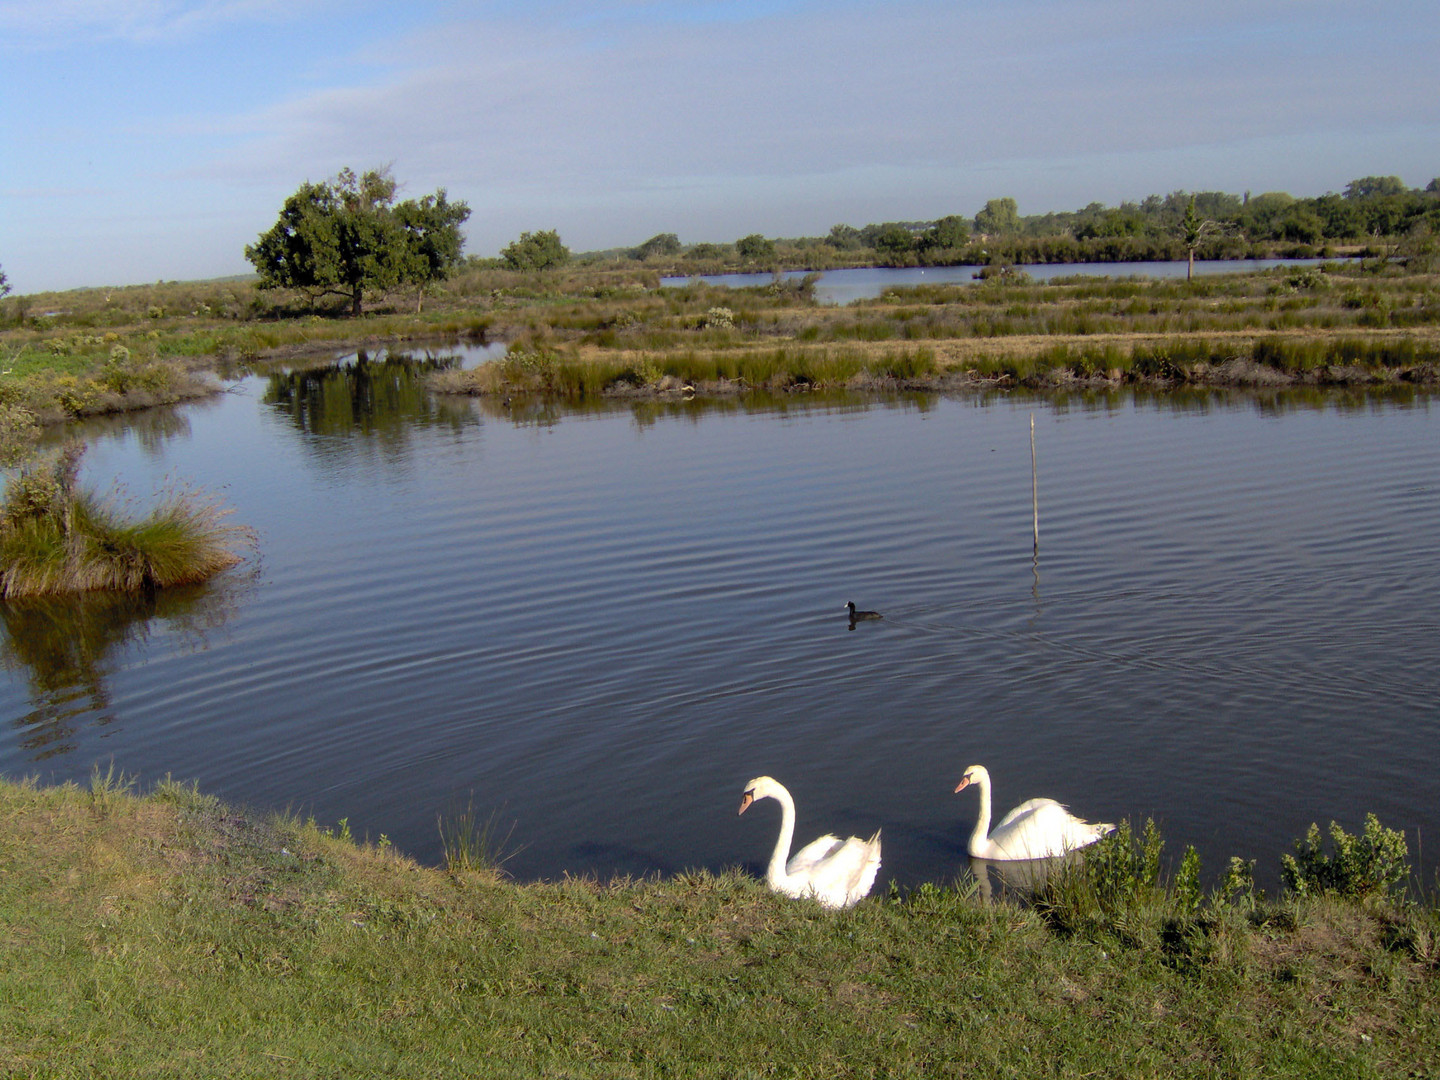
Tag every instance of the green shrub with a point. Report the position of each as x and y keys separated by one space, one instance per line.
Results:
x=1370 y=864
x=1238 y=885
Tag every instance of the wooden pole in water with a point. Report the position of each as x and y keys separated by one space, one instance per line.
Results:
x=1034 y=485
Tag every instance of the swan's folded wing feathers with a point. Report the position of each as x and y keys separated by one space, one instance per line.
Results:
x=1029 y=806
x=848 y=873
x=816 y=851
x=1047 y=831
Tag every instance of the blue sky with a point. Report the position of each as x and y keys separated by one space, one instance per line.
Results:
x=150 y=139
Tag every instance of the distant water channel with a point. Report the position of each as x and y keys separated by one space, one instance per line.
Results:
x=598 y=624
x=866 y=282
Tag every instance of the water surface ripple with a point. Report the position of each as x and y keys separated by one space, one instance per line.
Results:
x=600 y=627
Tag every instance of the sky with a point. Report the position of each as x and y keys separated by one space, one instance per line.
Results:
x=146 y=140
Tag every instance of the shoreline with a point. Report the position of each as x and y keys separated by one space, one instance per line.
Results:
x=163 y=931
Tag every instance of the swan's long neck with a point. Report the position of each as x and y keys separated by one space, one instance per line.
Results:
x=776 y=875
x=982 y=823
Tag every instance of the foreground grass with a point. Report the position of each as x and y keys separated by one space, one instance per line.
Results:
x=168 y=934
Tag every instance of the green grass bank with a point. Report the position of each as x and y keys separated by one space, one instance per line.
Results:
x=166 y=934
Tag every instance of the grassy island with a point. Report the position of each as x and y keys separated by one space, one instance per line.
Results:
x=167 y=934
x=56 y=538
x=610 y=327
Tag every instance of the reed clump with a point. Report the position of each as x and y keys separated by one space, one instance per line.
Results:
x=560 y=373
x=57 y=538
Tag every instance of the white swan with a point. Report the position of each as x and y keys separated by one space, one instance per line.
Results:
x=835 y=872
x=1036 y=829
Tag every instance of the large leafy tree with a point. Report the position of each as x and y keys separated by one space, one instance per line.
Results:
x=755 y=246
x=347 y=236
x=666 y=244
x=999 y=217
x=1368 y=186
x=433 y=238
x=4 y=284
x=845 y=237
x=951 y=231
x=536 y=251
x=1195 y=230
x=894 y=239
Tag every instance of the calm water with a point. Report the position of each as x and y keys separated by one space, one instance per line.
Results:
x=864 y=282
x=599 y=625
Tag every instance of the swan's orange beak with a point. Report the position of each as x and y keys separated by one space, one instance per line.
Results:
x=964 y=783
x=745 y=801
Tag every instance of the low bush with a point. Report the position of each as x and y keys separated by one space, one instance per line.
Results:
x=1370 y=864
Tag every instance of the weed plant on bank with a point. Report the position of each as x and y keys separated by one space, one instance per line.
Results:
x=164 y=933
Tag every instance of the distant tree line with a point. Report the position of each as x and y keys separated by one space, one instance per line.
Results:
x=349 y=235
x=1212 y=223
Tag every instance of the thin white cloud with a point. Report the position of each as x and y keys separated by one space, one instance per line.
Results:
x=919 y=84
x=38 y=23
x=616 y=119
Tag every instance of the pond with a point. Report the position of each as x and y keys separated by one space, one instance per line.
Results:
x=597 y=624
x=866 y=282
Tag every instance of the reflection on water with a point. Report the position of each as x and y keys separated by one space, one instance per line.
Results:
x=866 y=282
x=381 y=400
x=151 y=429
x=1016 y=879
x=67 y=648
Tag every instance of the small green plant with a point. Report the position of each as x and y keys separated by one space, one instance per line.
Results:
x=1309 y=278
x=1371 y=864
x=645 y=373
x=1237 y=887
x=474 y=845
x=107 y=787
x=1110 y=884
x=1124 y=869
x=43 y=492
x=1186 y=886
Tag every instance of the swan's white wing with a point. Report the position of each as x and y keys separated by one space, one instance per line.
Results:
x=847 y=873
x=1029 y=806
x=1045 y=830
x=804 y=860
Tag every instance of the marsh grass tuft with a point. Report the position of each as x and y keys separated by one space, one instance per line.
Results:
x=474 y=846
x=56 y=538
x=108 y=787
